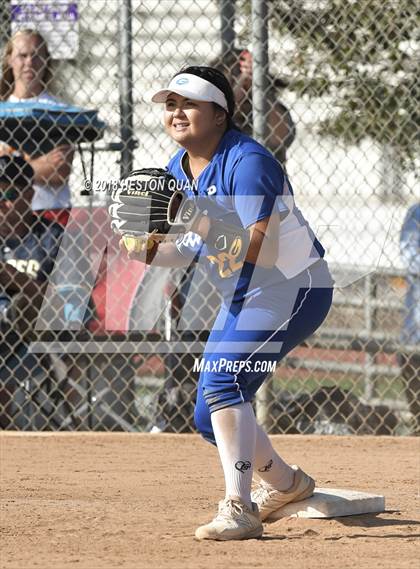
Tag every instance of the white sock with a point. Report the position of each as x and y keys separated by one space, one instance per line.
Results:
x=269 y=465
x=235 y=432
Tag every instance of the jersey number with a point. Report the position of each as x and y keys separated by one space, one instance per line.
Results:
x=227 y=263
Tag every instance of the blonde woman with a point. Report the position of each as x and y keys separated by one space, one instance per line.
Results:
x=26 y=77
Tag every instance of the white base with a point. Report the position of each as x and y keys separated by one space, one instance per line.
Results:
x=332 y=503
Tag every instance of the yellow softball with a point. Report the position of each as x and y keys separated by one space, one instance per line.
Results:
x=137 y=244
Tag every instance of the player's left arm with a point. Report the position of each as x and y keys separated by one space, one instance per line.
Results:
x=264 y=241
x=256 y=184
x=259 y=240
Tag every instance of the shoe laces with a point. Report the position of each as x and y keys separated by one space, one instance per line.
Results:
x=229 y=509
x=262 y=494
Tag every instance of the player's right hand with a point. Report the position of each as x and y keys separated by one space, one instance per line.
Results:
x=137 y=248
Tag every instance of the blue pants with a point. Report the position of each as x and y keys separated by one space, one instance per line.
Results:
x=252 y=335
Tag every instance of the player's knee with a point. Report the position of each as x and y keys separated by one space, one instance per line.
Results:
x=226 y=395
x=203 y=425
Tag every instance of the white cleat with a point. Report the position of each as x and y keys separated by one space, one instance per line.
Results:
x=233 y=521
x=269 y=500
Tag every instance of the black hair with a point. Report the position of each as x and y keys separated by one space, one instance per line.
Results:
x=229 y=63
x=218 y=79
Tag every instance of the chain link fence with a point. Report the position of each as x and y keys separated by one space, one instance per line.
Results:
x=92 y=341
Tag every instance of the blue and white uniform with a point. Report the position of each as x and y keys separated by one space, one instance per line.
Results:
x=265 y=312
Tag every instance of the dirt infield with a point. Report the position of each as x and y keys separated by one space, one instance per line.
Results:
x=133 y=501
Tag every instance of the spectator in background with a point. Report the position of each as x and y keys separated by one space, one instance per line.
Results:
x=26 y=77
x=237 y=66
x=410 y=335
x=29 y=245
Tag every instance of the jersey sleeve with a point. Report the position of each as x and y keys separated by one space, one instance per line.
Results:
x=258 y=187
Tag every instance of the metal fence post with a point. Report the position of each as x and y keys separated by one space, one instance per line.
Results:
x=260 y=131
x=260 y=81
x=126 y=88
x=370 y=318
x=227 y=17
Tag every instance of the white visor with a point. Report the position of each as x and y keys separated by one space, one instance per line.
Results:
x=192 y=87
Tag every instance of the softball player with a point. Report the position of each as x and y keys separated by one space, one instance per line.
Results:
x=268 y=265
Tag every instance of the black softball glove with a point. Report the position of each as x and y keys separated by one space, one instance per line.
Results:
x=148 y=202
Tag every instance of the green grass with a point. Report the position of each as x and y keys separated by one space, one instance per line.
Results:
x=385 y=388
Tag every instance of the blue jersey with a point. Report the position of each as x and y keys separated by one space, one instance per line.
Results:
x=243 y=184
